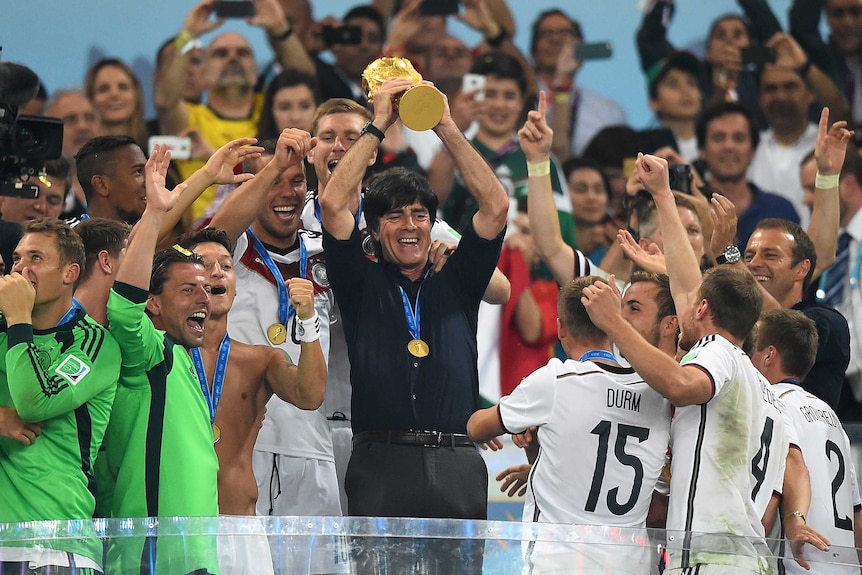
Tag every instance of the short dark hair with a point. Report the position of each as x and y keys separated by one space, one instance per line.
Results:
x=164 y=260
x=612 y=145
x=718 y=111
x=502 y=66
x=207 y=235
x=534 y=30
x=98 y=234
x=69 y=244
x=574 y=164
x=572 y=313
x=664 y=299
x=266 y=127
x=795 y=337
x=395 y=188
x=724 y=18
x=369 y=12
x=803 y=247
x=735 y=299
x=94 y=158
x=852 y=162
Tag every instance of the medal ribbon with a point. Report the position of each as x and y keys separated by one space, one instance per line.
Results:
x=412 y=316
x=319 y=217
x=598 y=354
x=285 y=310
x=218 y=376
x=76 y=305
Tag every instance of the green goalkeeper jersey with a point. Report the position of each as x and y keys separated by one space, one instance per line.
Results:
x=64 y=377
x=158 y=449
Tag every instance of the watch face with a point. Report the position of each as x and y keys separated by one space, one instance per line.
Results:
x=732 y=255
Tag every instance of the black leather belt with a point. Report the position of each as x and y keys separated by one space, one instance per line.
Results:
x=420 y=438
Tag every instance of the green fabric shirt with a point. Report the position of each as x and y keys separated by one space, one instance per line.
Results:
x=159 y=445
x=64 y=377
x=510 y=165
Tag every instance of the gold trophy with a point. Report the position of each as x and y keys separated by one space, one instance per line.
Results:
x=420 y=108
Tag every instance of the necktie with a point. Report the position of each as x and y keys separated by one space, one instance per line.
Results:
x=836 y=277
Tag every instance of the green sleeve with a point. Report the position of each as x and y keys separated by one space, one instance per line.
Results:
x=44 y=385
x=141 y=343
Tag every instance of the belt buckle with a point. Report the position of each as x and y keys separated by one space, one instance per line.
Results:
x=436 y=439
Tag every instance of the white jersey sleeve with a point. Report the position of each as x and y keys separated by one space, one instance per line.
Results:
x=531 y=403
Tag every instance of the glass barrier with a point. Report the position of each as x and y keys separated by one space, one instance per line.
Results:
x=383 y=546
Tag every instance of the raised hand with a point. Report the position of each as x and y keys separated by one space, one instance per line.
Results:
x=649 y=259
x=219 y=167
x=536 y=136
x=831 y=144
x=292 y=147
x=301 y=292
x=385 y=101
x=269 y=16
x=198 y=21
x=160 y=198
x=653 y=174
x=602 y=302
x=723 y=214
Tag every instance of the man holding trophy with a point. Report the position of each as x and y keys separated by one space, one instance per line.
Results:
x=411 y=333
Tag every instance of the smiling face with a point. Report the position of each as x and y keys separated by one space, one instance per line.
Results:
x=769 y=257
x=501 y=108
x=37 y=258
x=183 y=306
x=220 y=275
x=405 y=238
x=728 y=149
x=278 y=217
x=114 y=95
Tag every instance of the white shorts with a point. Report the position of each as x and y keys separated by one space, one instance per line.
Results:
x=243 y=554
x=295 y=485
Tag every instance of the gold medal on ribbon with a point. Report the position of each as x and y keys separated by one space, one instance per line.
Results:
x=421 y=107
x=277 y=333
x=418 y=348
x=216 y=433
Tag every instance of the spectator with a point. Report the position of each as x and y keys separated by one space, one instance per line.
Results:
x=343 y=79
x=675 y=98
x=588 y=192
x=289 y=102
x=116 y=94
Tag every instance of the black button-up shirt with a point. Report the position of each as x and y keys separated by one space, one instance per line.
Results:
x=392 y=389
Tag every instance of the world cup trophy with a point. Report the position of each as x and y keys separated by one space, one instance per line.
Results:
x=420 y=108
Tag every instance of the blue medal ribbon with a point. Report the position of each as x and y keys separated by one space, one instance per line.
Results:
x=218 y=376
x=76 y=305
x=598 y=354
x=319 y=217
x=792 y=380
x=285 y=310
x=412 y=316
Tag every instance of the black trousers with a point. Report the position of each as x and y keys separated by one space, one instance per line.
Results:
x=386 y=480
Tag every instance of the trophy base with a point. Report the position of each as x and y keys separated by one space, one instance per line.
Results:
x=421 y=108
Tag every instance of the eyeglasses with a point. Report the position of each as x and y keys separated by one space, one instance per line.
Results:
x=838 y=13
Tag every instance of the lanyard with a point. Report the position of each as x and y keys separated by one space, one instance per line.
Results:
x=413 y=316
x=218 y=376
x=319 y=217
x=285 y=310
x=792 y=380
x=598 y=354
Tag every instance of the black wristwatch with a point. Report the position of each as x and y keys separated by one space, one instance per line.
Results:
x=730 y=255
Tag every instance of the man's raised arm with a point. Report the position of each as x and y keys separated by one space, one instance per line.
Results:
x=172 y=113
x=478 y=177
x=536 y=138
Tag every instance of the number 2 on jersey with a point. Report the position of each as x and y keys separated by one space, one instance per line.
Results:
x=840 y=522
x=603 y=430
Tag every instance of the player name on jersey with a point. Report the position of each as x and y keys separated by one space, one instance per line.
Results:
x=815 y=415
x=624 y=399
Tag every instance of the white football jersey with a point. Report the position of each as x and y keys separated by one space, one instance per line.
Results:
x=603 y=435
x=712 y=518
x=834 y=490
x=286 y=430
x=770 y=461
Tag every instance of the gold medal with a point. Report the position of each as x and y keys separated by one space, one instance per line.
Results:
x=277 y=333
x=216 y=433
x=417 y=348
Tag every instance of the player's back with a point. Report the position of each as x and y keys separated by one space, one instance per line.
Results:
x=834 y=490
